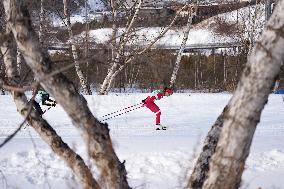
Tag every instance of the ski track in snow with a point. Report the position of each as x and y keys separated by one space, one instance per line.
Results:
x=154 y=159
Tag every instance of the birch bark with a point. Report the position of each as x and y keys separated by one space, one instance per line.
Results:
x=267 y=50
x=82 y=79
x=246 y=105
x=107 y=84
x=95 y=134
x=41 y=126
x=182 y=47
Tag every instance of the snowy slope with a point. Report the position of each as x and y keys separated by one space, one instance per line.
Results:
x=172 y=38
x=248 y=19
x=154 y=159
x=251 y=19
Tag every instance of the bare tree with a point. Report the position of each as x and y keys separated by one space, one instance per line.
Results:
x=41 y=20
x=225 y=67
x=19 y=61
x=87 y=29
x=201 y=167
x=268 y=9
x=246 y=105
x=82 y=79
x=118 y=67
x=243 y=111
x=191 y=14
x=118 y=53
x=95 y=134
x=41 y=126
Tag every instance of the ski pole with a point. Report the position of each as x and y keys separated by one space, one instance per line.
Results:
x=46 y=110
x=122 y=113
x=122 y=109
x=25 y=126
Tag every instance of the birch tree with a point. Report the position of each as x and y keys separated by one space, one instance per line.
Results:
x=246 y=105
x=41 y=20
x=95 y=134
x=117 y=68
x=41 y=126
x=118 y=53
x=191 y=13
x=200 y=170
x=268 y=9
x=82 y=79
x=19 y=61
x=244 y=109
x=87 y=29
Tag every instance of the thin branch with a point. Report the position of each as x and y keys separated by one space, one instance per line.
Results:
x=39 y=160
x=11 y=136
x=16 y=88
x=4 y=37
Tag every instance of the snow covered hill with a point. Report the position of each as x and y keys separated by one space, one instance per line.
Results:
x=154 y=159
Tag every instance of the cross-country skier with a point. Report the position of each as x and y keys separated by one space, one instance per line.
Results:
x=149 y=103
x=42 y=98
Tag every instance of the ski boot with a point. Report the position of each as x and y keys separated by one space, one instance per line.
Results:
x=160 y=127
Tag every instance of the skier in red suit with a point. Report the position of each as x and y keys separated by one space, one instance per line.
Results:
x=149 y=103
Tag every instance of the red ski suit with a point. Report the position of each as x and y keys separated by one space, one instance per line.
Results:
x=149 y=103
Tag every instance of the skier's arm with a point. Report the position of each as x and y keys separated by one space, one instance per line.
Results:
x=150 y=99
x=49 y=102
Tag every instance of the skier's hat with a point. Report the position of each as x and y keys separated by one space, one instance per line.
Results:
x=169 y=90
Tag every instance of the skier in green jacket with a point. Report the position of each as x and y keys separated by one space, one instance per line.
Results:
x=42 y=97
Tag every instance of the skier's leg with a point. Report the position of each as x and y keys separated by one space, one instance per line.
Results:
x=49 y=102
x=154 y=108
x=158 y=117
x=38 y=108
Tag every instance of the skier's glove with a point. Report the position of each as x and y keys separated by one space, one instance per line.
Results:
x=53 y=104
x=144 y=101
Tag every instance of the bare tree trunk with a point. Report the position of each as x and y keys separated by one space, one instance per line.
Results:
x=107 y=84
x=41 y=126
x=95 y=134
x=110 y=79
x=19 y=61
x=201 y=73
x=246 y=105
x=114 y=53
x=201 y=167
x=224 y=69
x=41 y=20
x=276 y=86
x=87 y=28
x=197 y=70
x=182 y=47
x=82 y=79
x=195 y=74
x=268 y=9
x=214 y=69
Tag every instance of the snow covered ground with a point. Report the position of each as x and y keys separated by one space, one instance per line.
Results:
x=144 y=36
x=154 y=159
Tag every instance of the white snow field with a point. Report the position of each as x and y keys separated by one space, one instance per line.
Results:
x=154 y=159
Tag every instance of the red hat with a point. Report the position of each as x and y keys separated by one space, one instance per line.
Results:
x=169 y=90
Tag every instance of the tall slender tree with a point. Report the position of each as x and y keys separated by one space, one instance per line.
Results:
x=41 y=126
x=82 y=79
x=191 y=14
x=242 y=114
x=95 y=134
x=245 y=107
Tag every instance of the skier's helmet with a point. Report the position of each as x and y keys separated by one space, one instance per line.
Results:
x=169 y=90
